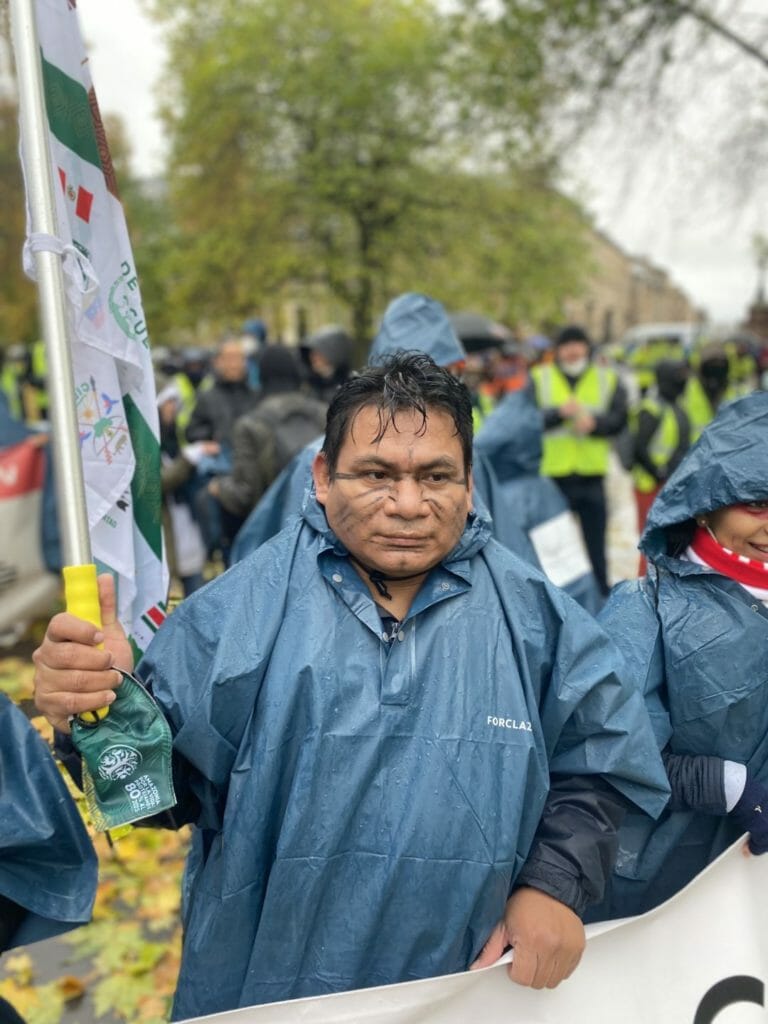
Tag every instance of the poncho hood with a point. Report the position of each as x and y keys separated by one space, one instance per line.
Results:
x=728 y=465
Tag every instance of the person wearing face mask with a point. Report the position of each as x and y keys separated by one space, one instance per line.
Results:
x=584 y=407
x=661 y=435
x=693 y=634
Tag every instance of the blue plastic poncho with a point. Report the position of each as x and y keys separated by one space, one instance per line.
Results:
x=695 y=643
x=416 y=323
x=364 y=809
x=412 y=322
x=47 y=862
x=511 y=441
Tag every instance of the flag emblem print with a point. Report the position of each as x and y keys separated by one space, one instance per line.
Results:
x=113 y=379
x=81 y=197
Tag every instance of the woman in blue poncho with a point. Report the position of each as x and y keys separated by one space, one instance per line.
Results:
x=694 y=635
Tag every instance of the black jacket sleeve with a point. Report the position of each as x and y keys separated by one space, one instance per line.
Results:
x=201 y=426
x=697 y=782
x=647 y=424
x=11 y=916
x=576 y=843
x=552 y=418
x=614 y=419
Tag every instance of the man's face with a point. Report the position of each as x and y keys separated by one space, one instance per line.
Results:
x=167 y=411
x=572 y=354
x=400 y=504
x=230 y=362
x=322 y=367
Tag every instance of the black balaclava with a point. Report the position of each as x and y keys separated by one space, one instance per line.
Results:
x=671 y=376
x=714 y=375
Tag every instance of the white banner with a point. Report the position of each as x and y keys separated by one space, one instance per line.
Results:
x=560 y=548
x=702 y=955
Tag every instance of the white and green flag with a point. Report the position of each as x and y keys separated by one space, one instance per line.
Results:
x=113 y=380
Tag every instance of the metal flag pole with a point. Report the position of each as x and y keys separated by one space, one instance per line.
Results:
x=79 y=572
x=135 y=728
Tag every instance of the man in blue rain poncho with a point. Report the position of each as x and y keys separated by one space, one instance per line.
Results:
x=694 y=635
x=48 y=867
x=415 y=323
x=511 y=441
x=404 y=749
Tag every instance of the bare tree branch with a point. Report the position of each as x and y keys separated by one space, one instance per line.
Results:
x=719 y=28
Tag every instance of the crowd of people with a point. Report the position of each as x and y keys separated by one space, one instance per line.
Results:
x=234 y=416
x=411 y=726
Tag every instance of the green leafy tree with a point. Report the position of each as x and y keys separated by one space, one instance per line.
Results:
x=511 y=247
x=345 y=145
x=18 y=298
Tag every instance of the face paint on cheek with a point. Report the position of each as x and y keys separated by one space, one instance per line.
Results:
x=358 y=509
x=755 y=511
x=452 y=515
x=436 y=507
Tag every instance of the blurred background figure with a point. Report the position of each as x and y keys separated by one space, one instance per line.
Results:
x=661 y=435
x=494 y=363
x=189 y=370
x=709 y=386
x=328 y=354
x=266 y=439
x=743 y=349
x=213 y=418
x=15 y=369
x=643 y=359
x=255 y=338
x=229 y=396
x=584 y=407
x=511 y=441
x=184 y=542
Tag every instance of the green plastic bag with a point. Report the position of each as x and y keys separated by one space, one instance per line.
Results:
x=126 y=759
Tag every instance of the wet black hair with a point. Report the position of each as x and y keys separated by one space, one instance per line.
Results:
x=406 y=381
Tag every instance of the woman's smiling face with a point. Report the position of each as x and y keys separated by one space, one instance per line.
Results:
x=742 y=529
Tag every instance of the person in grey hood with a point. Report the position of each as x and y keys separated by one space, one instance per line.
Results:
x=328 y=353
x=694 y=634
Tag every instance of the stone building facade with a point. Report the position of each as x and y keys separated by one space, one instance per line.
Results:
x=624 y=290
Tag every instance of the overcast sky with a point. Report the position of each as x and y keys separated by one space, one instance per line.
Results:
x=655 y=211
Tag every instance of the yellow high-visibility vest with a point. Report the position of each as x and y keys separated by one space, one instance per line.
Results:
x=9 y=382
x=484 y=406
x=567 y=453
x=696 y=403
x=662 y=445
x=188 y=397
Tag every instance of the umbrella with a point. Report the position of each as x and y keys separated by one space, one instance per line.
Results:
x=477 y=332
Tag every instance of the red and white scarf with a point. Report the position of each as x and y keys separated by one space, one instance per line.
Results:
x=751 y=573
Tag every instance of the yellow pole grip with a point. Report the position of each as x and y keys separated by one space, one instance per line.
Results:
x=81 y=595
